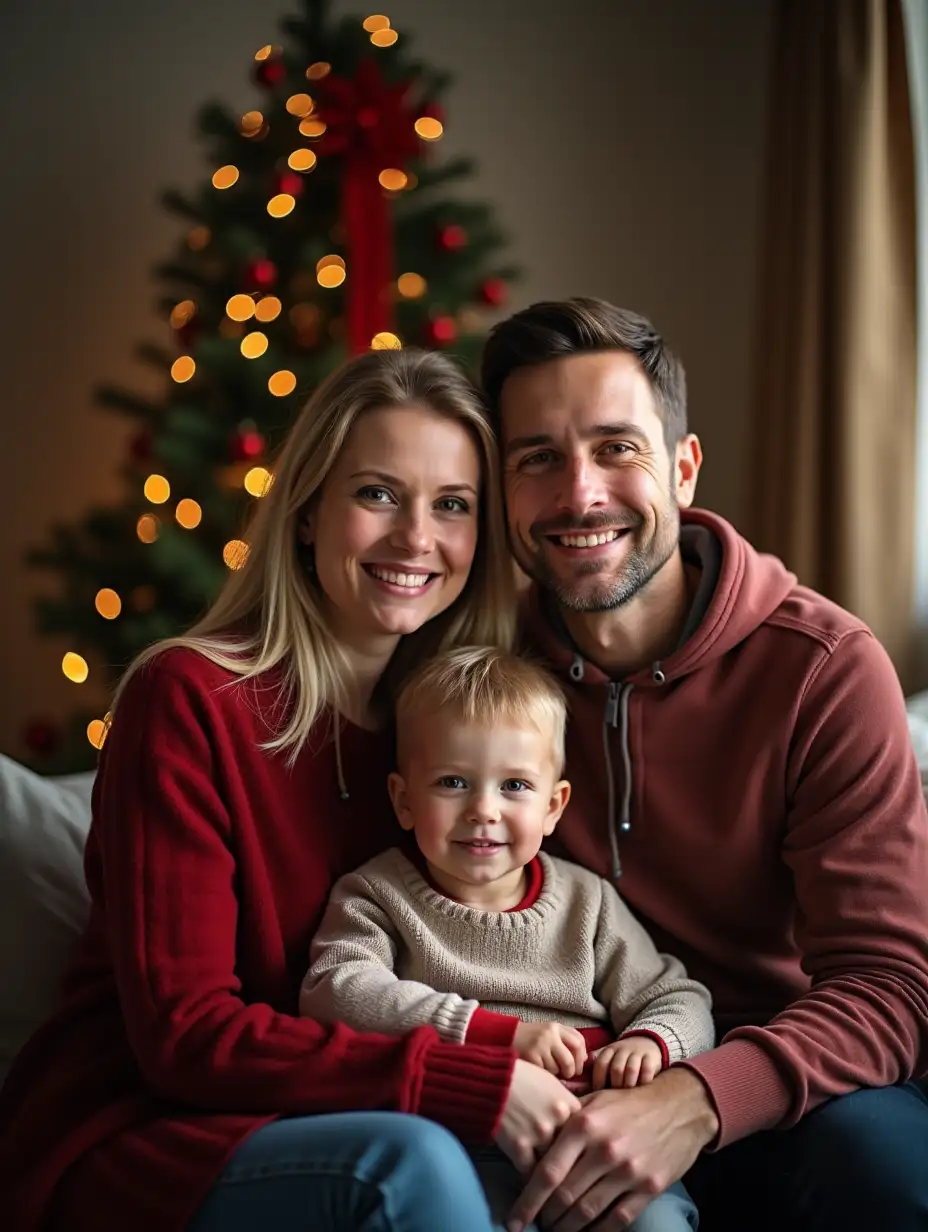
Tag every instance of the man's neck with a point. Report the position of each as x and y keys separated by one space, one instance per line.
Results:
x=641 y=632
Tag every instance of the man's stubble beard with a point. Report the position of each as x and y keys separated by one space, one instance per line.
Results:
x=641 y=566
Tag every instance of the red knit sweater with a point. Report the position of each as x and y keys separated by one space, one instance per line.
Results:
x=209 y=863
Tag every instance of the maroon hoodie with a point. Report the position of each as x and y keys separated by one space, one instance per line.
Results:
x=757 y=799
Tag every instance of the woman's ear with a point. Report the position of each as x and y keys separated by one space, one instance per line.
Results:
x=304 y=527
x=396 y=785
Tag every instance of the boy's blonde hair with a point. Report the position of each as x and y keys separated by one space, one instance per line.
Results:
x=487 y=686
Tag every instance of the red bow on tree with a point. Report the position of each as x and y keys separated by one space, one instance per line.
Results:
x=369 y=124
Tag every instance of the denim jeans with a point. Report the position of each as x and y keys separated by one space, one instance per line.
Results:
x=856 y=1164
x=348 y=1172
x=672 y=1211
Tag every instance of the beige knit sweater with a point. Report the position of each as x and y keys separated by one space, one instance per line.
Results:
x=392 y=954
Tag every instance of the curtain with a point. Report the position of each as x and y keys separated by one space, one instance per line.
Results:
x=833 y=476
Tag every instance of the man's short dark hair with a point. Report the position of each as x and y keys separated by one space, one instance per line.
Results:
x=555 y=329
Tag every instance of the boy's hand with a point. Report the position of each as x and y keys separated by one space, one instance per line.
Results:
x=559 y=1050
x=630 y=1062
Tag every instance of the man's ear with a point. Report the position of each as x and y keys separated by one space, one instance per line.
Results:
x=687 y=461
x=396 y=785
x=556 y=805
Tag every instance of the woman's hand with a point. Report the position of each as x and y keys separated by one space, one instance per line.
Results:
x=559 y=1050
x=537 y=1106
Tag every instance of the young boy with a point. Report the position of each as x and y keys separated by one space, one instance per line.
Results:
x=475 y=931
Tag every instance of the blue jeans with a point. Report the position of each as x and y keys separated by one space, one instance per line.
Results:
x=348 y=1172
x=672 y=1211
x=856 y=1164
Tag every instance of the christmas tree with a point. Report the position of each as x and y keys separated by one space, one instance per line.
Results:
x=324 y=228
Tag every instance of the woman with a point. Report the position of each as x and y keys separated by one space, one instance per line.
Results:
x=244 y=772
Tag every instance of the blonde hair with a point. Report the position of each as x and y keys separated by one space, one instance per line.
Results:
x=488 y=686
x=269 y=612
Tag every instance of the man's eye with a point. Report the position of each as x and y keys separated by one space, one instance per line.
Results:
x=616 y=447
x=542 y=457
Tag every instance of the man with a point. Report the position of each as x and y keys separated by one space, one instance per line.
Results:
x=741 y=765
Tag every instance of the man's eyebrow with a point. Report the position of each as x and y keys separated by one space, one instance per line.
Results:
x=622 y=428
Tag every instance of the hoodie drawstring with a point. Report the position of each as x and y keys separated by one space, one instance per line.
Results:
x=339 y=768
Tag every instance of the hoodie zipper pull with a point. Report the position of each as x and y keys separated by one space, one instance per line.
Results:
x=612 y=705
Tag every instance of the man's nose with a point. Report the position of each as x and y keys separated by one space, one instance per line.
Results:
x=582 y=487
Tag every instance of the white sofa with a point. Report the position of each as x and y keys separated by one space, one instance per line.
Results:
x=43 y=899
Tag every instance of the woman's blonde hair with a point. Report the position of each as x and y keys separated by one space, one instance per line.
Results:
x=269 y=614
x=487 y=686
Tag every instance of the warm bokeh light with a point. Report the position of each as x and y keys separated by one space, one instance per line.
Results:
x=108 y=603
x=235 y=553
x=268 y=308
x=183 y=312
x=300 y=105
x=331 y=276
x=147 y=528
x=225 y=177
x=281 y=205
x=392 y=179
x=75 y=667
x=157 y=489
x=411 y=286
x=188 y=513
x=384 y=38
x=258 y=481
x=428 y=128
x=317 y=71
x=376 y=21
x=386 y=341
x=282 y=383
x=240 y=307
x=312 y=127
x=265 y=52
x=198 y=237
x=252 y=122
x=183 y=368
x=331 y=258
x=301 y=160
x=254 y=345
x=96 y=732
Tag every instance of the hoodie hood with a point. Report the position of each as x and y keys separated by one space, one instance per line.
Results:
x=739 y=590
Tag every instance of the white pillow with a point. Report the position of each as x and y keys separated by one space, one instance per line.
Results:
x=43 y=898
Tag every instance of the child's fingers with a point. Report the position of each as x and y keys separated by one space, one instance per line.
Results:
x=564 y=1057
x=577 y=1045
x=632 y=1069
x=650 y=1068
x=602 y=1064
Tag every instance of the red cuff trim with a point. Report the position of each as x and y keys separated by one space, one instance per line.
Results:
x=485 y=1027
x=652 y=1035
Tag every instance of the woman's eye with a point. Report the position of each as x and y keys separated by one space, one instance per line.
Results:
x=516 y=785
x=453 y=504
x=453 y=782
x=375 y=495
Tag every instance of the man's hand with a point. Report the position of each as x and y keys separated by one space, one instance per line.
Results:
x=630 y=1062
x=559 y=1050
x=617 y=1153
x=536 y=1108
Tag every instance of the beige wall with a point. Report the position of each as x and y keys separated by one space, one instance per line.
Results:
x=620 y=139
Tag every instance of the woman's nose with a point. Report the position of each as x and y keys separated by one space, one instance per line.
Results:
x=412 y=533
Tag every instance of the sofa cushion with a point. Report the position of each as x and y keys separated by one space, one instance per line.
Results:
x=43 y=898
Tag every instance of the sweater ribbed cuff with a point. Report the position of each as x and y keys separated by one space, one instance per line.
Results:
x=747 y=1089
x=485 y=1027
x=465 y=1087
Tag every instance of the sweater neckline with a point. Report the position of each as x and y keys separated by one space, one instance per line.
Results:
x=534 y=882
x=420 y=891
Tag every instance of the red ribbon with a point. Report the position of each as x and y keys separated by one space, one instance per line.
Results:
x=370 y=125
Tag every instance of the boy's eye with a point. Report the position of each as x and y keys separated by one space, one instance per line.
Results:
x=516 y=785
x=453 y=782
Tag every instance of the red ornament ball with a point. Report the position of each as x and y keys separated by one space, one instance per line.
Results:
x=452 y=237
x=245 y=444
x=260 y=274
x=494 y=292
x=290 y=183
x=441 y=331
x=140 y=449
x=269 y=72
x=41 y=737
